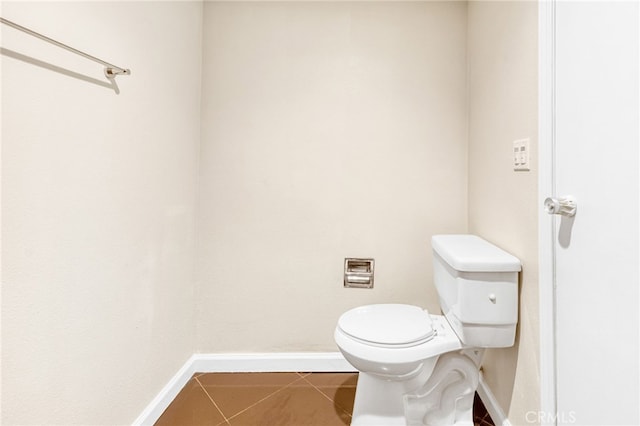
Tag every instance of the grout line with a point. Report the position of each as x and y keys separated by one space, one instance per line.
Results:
x=265 y=398
x=211 y=399
x=316 y=388
x=326 y=396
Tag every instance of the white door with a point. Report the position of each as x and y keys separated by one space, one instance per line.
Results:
x=594 y=157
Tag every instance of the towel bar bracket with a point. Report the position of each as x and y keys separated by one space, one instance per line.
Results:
x=113 y=72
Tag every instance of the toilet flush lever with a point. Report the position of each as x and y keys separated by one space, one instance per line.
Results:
x=564 y=206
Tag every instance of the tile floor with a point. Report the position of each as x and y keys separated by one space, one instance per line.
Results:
x=480 y=415
x=270 y=399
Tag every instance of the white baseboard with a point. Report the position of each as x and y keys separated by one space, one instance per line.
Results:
x=238 y=363
x=272 y=362
x=491 y=404
x=156 y=407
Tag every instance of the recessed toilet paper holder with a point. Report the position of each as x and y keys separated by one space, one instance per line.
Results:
x=358 y=272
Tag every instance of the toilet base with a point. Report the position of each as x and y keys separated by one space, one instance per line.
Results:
x=443 y=397
x=380 y=402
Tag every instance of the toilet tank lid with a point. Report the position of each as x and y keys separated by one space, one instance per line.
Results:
x=470 y=253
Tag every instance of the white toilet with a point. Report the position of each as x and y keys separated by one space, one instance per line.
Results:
x=422 y=369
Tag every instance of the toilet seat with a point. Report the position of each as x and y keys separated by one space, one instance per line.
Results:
x=442 y=340
x=388 y=325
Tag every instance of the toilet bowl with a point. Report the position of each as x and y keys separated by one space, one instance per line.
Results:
x=416 y=368
x=395 y=348
x=393 y=341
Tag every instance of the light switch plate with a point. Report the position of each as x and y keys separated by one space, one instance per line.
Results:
x=521 y=155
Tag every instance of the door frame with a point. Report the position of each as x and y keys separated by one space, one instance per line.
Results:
x=546 y=223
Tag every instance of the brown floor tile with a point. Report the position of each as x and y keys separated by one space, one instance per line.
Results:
x=269 y=399
x=480 y=415
x=192 y=407
x=294 y=405
x=339 y=387
x=234 y=392
x=333 y=379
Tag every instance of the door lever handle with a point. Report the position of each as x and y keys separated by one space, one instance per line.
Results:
x=564 y=206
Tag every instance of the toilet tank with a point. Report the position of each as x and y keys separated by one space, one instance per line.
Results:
x=477 y=285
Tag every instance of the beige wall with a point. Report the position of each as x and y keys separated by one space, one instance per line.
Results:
x=98 y=209
x=503 y=205
x=329 y=130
